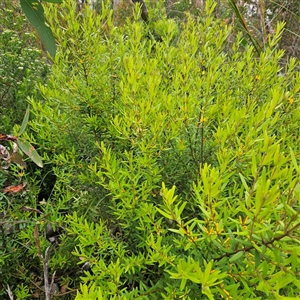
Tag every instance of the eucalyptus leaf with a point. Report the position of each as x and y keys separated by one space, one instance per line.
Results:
x=24 y=122
x=34 y=12
x=30 y=151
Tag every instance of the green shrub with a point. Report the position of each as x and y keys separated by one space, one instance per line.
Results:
x=21 y=67
x=177 y=161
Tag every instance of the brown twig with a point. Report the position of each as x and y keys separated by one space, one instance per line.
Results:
x=266 y=243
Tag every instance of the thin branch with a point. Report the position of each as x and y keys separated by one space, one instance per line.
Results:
x=46 y=282
x=266 y=243
x=52 y=281
x=9 y=292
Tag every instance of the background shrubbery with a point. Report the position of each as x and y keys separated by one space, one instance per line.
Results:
x=21 y=65
x=174 y=157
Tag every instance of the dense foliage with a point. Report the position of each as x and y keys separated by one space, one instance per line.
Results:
x=21 y=66
x=174 y=164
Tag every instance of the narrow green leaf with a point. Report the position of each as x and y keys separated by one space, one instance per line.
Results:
x=182 y=284
x=180 y=210
x=34 y=12
x=29 y=150
x=24 y=122
x=164 y=213
x=294 y=160
x=207 y=273
x=257 y=258
x=236 y=256
x=282 y=282
x=244 y=182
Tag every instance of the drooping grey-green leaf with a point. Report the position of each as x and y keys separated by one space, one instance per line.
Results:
x=24 y=122
x=34 y=12
x=30 y=151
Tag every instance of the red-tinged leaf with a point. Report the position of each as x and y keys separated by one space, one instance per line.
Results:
x=29 y=150
x=14 y=188
x=17 y=158
x=26 y=208
x=7 y=137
